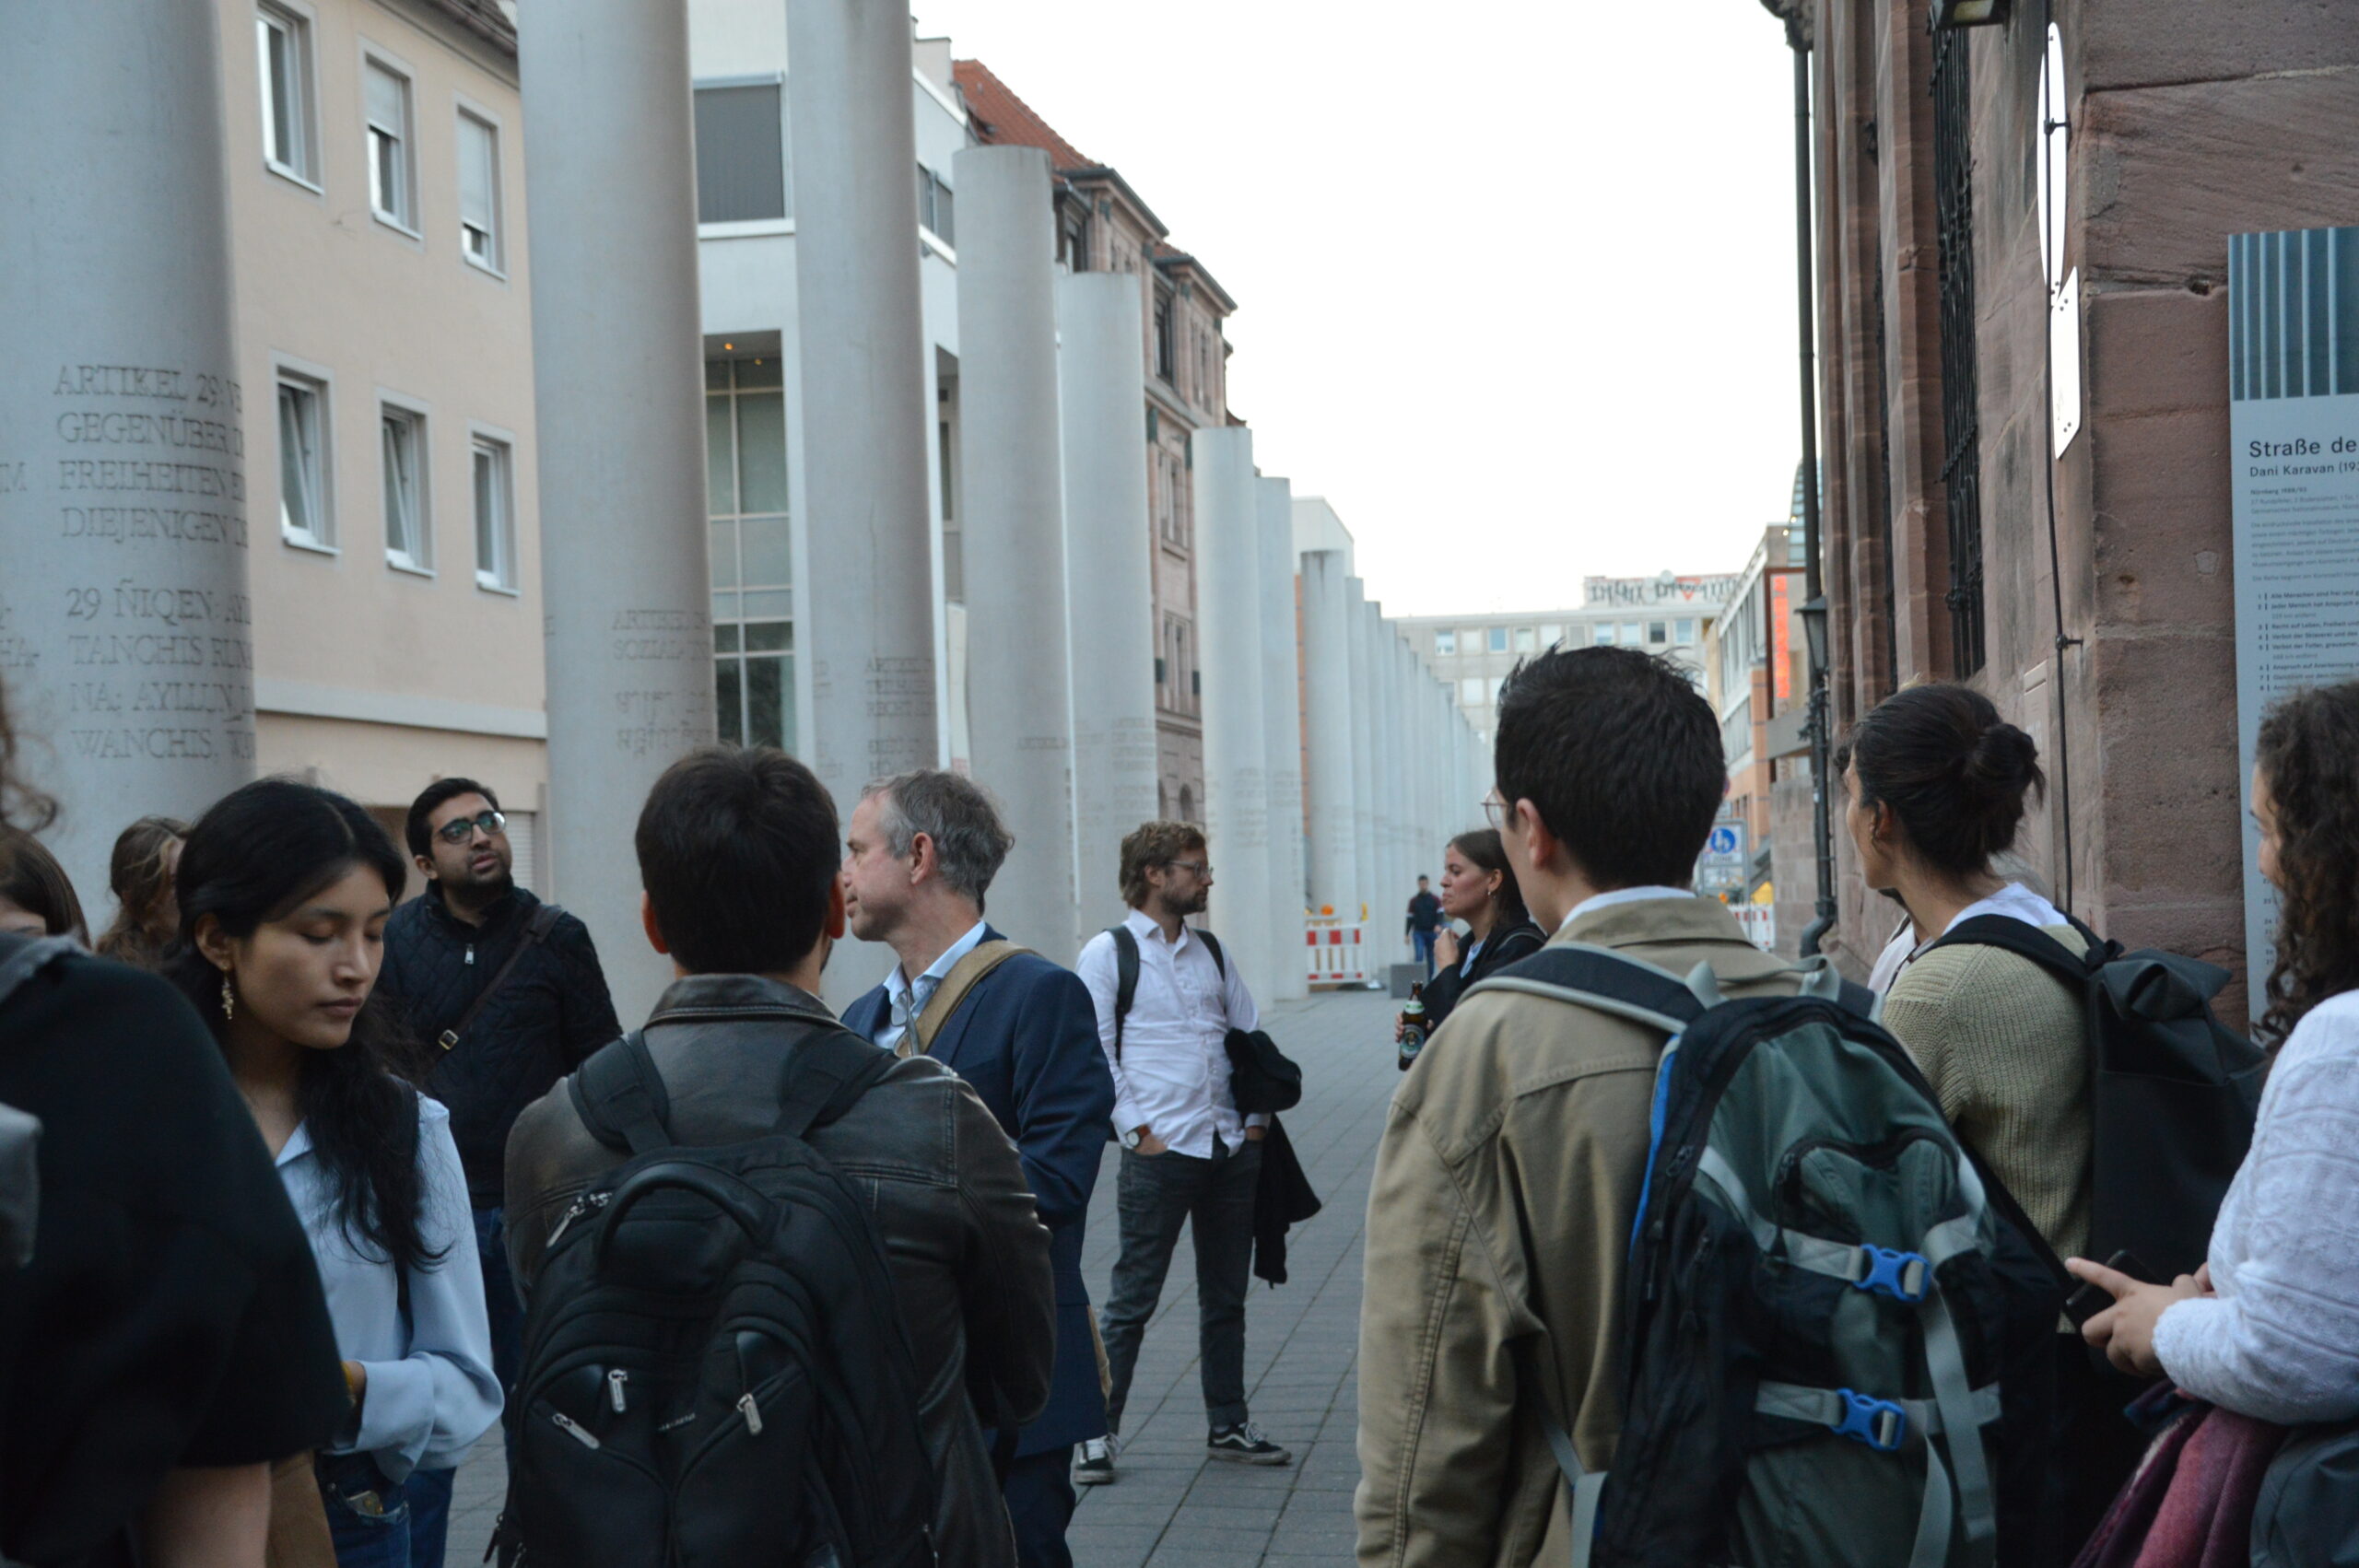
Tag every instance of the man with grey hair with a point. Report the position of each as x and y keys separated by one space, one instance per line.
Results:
x=919 y=855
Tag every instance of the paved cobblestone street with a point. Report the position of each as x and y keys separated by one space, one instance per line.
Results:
x=1172 y=1507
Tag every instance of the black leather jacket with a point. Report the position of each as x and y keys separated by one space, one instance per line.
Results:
x=943 y=1183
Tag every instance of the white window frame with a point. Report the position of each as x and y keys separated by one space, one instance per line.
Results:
x=294 y=24
x=495 y=257
x=420 y=558
x=404 y=218
x=314 y=379
x=500 y=445
x=1445 y=643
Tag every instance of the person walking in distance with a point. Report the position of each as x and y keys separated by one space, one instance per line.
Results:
x=1425 y=920
x=1187 y=1157
x=506 y=992
x=920 y=853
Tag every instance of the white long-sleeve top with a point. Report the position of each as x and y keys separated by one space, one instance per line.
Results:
x=2280 y=1341
x=431 y=1391
x=1172 y=1076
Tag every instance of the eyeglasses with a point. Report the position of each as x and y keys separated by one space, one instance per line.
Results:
x=1201 y=868
x=459 y=829
x=1496 y=812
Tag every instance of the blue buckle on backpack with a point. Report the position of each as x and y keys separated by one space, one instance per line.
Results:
x=1903 y=1276
x=1879 y=1423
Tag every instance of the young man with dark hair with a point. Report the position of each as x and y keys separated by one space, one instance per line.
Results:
x=920 y=853
x=1188 y=1158
x=506 y=991
x=738 y=855
x=1511 y=1163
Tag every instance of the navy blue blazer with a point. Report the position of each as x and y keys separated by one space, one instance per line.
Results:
x=1026 y=1038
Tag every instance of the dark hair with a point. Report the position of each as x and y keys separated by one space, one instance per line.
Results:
x=139 y=875
x=1149 y=845
x=1951 y=770
x=1482 y=847
x=253 y=857
x=2309 y=753
x=1621 y=756
x=970 y=841
x=431 y=800
x=31 y=879
x=19 y=801
x=737 y=850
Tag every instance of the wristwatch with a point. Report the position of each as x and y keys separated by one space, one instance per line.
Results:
x=1132 y=1139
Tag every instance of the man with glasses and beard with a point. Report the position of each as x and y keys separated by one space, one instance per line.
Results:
x=1187 y=1157
x=506 y=992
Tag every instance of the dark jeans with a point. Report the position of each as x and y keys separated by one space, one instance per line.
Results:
x=1423 y=945
x=1156 y=1194
x=499 y=1299
x=1040 y=1505
x=376 y=1524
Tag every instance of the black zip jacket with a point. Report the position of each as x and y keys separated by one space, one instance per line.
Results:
x=551 y=1012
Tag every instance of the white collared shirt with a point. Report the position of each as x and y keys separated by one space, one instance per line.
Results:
x=431 y=1390
x=1621 y=896
x=2015 y=901
x=1172 y=1075
x=908 y=998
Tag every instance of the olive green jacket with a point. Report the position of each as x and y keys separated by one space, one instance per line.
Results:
x=1501 y=1207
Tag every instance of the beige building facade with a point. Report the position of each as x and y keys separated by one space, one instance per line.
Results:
x=376 y=180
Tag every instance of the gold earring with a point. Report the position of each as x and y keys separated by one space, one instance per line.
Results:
x=229 y=998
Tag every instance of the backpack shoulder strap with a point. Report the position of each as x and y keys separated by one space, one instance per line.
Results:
x=620 y=1098
x=1126 y=979
x=1601 y=978
x=963 y=975
x=825 y=1074
x=538 y=927
x=21 y=959
x=2006 y=933
x=1212 y=945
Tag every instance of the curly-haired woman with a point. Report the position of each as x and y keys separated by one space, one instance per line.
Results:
x=2269 y=1328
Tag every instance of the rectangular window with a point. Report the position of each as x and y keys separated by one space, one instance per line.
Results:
x=1657 y=631
x=302 y=461
x=1630 y=634
x=1469 y=692
x=1525 y=642
x=1551 y=636
x=1498 y=639
x=495 y=488
x=1497 y=681
x=1445 y=643
x=284 y=39
x=1686 y=632
x=741 y=154
x=1605 y=634
x=1164 y=357
x=1469 y=639
x=937 y=210
x=393 y=182
x=403 y=439
x=479 y=226
x=752 y=551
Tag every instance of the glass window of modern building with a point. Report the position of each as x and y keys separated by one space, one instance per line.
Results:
x=1498 y=639
x=741 y=154
x=402 y=456
x=1603 y=633
x=1630 y=634
x=1687 y=633
x=1445 y=642
x=1657 y=631
x=480 y=240
x=289 y=146
x=752 y=572
x=1551 y=636
x=1469 y=692
x=303 y=514
x=495 y=493
x=393 y=175
x=1526 y=639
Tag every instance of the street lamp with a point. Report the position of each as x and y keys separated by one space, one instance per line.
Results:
x=1813 y=616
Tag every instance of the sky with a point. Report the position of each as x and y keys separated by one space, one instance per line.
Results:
x=1515 y=279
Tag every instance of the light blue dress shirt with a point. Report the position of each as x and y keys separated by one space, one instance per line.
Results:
x=431 y=1390
x=908 y=997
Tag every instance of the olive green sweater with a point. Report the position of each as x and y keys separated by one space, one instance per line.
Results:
x=2005 y=1047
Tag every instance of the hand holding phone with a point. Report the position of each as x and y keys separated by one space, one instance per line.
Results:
x=2092 y=1299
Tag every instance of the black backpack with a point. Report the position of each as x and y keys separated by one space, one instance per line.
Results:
x=1262 y=1079
x=715 y=1373
x=1836 y=1329
x=2172 y=1092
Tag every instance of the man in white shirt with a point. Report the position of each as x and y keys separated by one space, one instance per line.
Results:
x=1187 y=1157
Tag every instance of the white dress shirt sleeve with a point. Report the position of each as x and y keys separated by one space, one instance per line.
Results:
x=1100 y=974
x=442 y=1395
x=1242 y=1015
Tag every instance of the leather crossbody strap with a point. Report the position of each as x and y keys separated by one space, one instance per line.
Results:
x=536 y=931
x=980 y=960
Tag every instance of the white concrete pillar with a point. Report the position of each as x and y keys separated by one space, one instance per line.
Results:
x=1391 y=845
x=1282 y=726
x=1230 y=631
x=1365 y=876
x=124 y=617
x=1327 y=682
x=618 y=391
x=866 y=616
x=1019 y=713
x=1109 y=596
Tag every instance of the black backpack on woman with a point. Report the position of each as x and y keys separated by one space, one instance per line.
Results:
x=715 y=1374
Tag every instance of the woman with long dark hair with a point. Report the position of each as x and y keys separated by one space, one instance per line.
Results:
x=36 y=896
x=1478 y=886
x=284 y=893
x=139 y=875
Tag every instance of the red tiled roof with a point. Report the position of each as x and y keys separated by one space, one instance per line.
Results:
x=999 y=116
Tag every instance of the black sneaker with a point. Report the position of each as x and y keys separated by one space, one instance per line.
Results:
x=1093 y=1461
x=1244 y=1445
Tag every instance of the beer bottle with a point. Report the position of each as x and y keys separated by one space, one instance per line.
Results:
x=1413 y=1026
